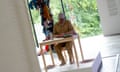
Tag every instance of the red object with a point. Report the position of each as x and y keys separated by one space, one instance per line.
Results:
x=44 y=50
x=46 y=47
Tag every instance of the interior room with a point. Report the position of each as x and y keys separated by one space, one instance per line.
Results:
x=94 y=49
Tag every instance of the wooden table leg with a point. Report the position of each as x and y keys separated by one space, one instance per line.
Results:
x=43 y=59
x=51 y=55
x=80 y=48
x=76 y=56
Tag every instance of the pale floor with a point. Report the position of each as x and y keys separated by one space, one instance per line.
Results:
x=107 y=46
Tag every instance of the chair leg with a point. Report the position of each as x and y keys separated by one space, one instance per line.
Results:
x=73 y=56
x=76 y=56
x=65 y=56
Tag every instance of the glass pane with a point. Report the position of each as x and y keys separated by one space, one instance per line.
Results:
x=55 y=8
x=84 y=16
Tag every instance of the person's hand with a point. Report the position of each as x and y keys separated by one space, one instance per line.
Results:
x=58 y=36
x=62 y=34
x=45 y=24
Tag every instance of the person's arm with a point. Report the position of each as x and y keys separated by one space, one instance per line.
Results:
x=54 y=31
x=70 y=28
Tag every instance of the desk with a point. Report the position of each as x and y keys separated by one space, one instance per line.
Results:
x=62 y=40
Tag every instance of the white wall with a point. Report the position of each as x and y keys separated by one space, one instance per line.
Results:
x=17 y=49
x=109 y=11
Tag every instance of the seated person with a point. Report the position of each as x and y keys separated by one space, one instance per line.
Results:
x=61 y=28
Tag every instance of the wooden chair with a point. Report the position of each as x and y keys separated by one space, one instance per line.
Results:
x=65 y=55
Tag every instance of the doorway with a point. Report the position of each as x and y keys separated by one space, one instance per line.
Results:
x=82 y=13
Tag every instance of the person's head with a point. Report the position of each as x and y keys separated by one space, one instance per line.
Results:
x=61 y=17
